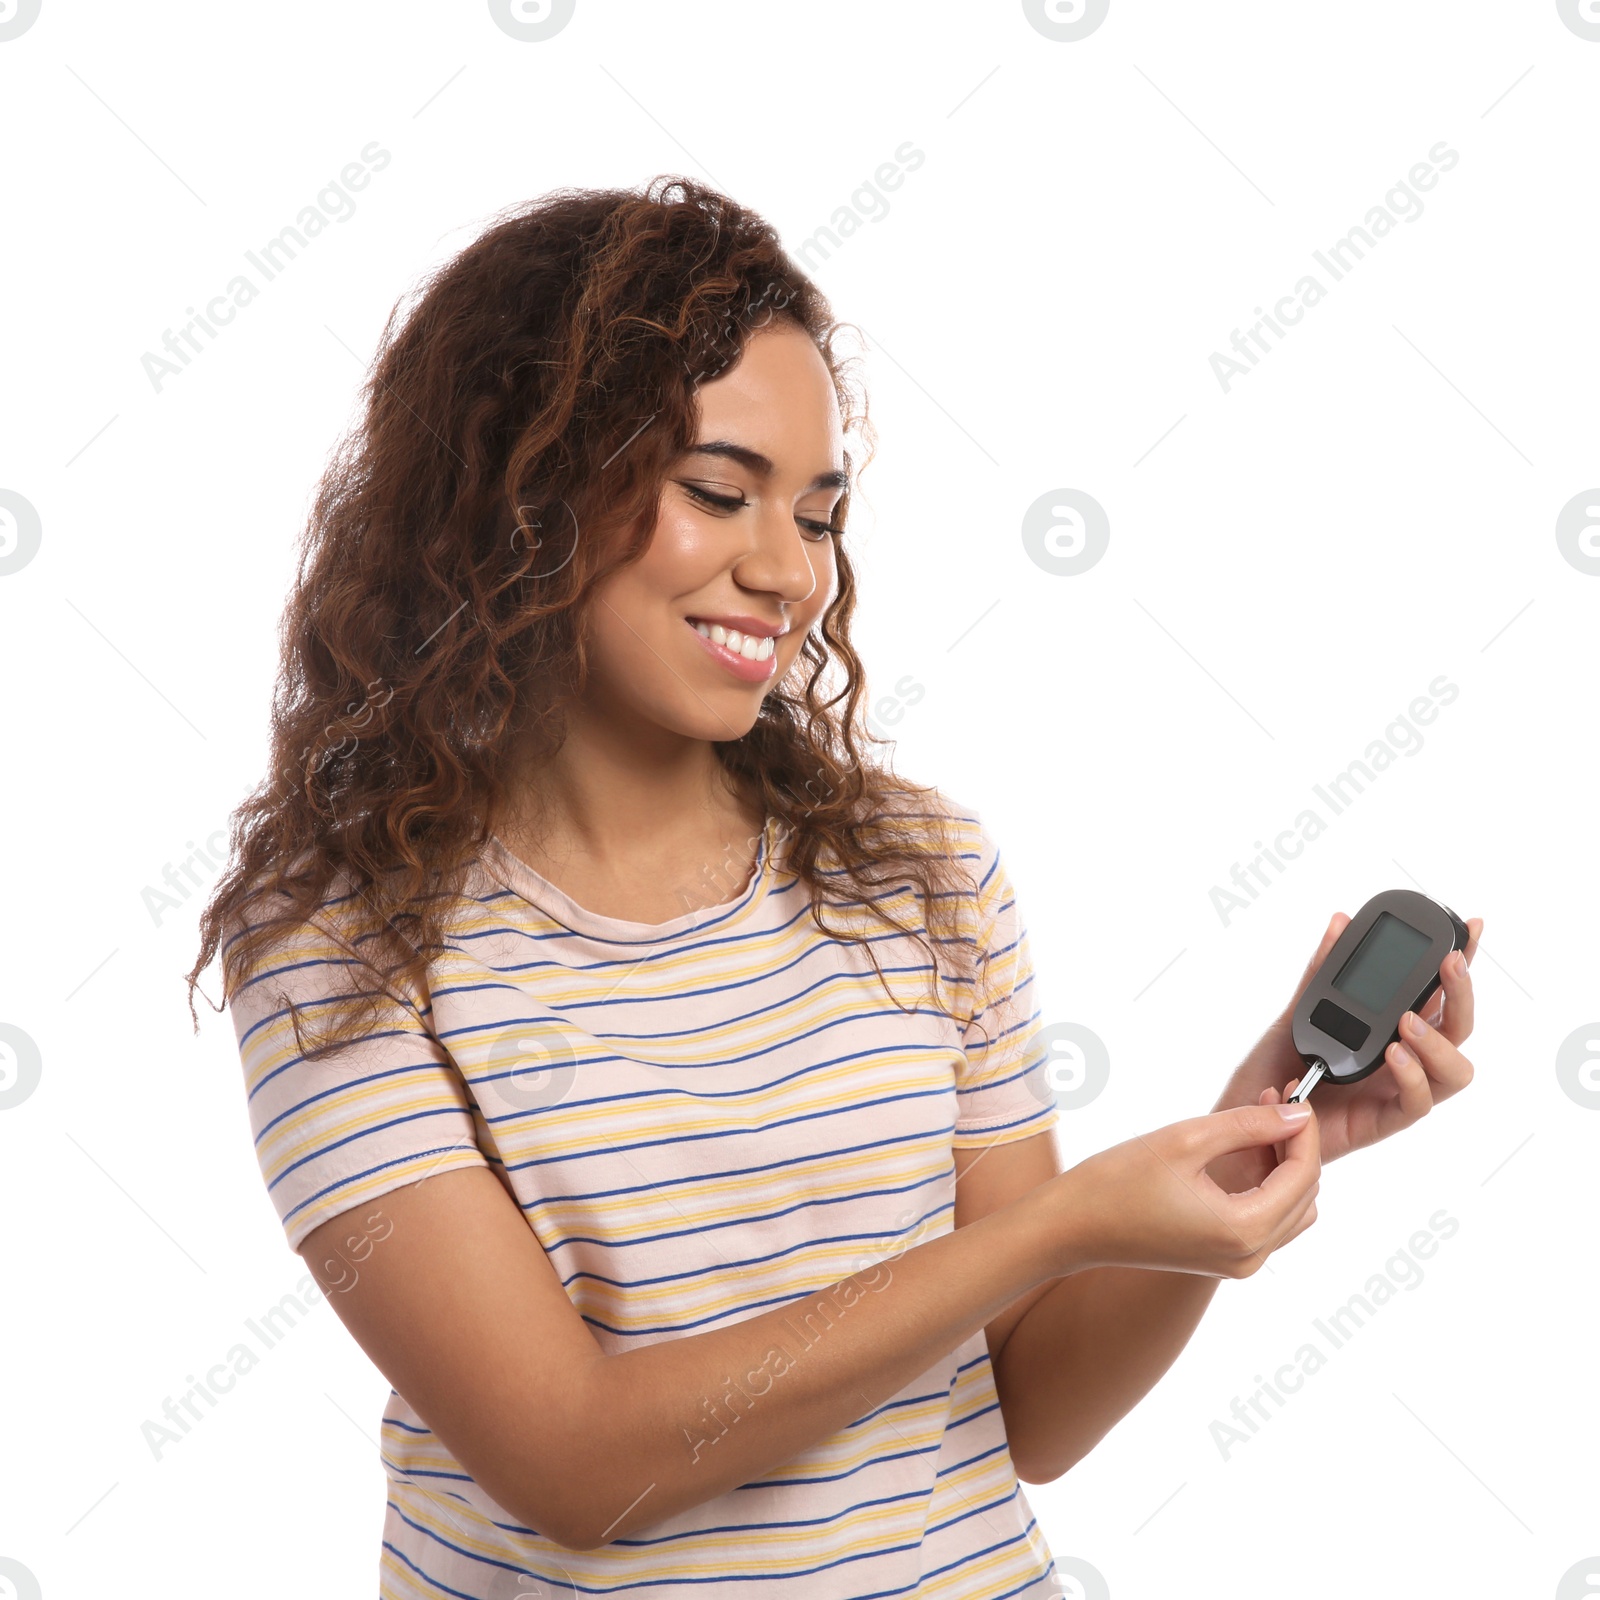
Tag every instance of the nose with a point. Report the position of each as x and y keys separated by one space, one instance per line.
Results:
x=777 y=558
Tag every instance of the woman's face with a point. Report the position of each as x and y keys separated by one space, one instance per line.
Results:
x=740 y=551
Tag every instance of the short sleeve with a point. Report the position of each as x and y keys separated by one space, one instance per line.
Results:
x=388 y=1109
x=1003 y=1090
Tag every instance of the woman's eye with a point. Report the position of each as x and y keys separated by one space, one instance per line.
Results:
x=817 y=531
x=720 y=501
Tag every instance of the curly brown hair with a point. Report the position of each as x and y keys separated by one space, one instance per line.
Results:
x=520 y=420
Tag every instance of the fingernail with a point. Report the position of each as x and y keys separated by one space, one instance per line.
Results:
x=1415 y=1026
x=1405 y=1054
x=1294 y=1114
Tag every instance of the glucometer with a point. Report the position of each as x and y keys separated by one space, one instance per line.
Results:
x=1383 y=965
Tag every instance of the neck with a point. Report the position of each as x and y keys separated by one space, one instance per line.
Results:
x=614 y=796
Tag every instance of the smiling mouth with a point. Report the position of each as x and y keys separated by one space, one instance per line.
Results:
x=752 y=646
x=749 y=657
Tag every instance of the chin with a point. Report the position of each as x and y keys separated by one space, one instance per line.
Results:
x=715 y=718
x=717 y=723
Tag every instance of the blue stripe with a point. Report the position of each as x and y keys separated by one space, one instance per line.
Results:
x=755 y=1261
x=725 y=1133
x=712 y=1175
x=343 y=1087
x=366 y=1133
x=670 y=1091
x=867 y=982
x=345 y=1182
x=692 y=1229
x=739 y=1311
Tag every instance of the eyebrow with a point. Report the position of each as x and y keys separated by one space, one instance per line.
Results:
x=762 y=465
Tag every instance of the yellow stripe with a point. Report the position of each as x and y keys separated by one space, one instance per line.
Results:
x=770 y=1552
x=397 y=1176
x=860 y=1172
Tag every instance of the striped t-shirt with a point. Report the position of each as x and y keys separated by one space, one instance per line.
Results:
x=702 y=1119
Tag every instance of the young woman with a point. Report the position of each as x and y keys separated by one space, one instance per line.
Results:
x=649 y=1078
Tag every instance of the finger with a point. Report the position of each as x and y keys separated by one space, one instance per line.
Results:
x=1294 y=1083
x=1241 y=1128
x=1269 y=1097
x=1300 y=1169
x=1307 y=1203
x=1474 y=933
x=1307 y=1216
x=1448 y=1070
x=1415 y=1097
x=1293 y=1204
x=1336 y=925
x=1300 y=1217
x=1455 y=982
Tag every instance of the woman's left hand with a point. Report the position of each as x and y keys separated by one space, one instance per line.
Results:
x=1415 y=1076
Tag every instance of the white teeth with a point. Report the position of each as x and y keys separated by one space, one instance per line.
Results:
x=751 y=646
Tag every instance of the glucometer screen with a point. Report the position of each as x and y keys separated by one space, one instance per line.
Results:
x=1381 y=962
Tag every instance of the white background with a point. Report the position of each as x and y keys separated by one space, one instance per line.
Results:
x=1293 y=563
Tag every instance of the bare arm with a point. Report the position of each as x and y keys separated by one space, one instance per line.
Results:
x=1076 y=1355
x=459 y=1308
x=1073 y=1356
x=1082 y=1352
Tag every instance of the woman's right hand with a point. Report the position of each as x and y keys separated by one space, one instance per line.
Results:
x=1148 y=1202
